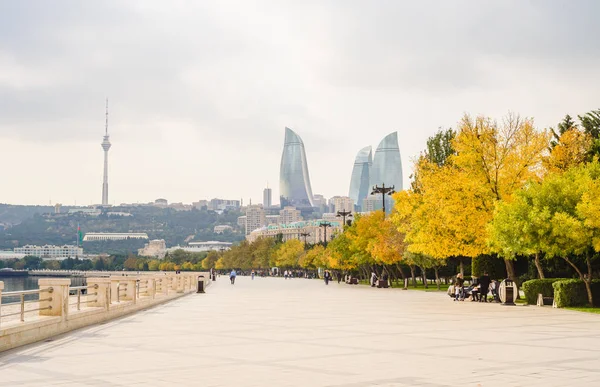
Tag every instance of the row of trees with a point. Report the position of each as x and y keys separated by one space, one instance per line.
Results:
x=499 y=189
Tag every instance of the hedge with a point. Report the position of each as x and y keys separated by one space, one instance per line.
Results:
x=534 y=287
x=572 y=293
x=495 y=266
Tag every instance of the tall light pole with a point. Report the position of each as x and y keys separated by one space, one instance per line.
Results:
x=325 y=225
x=383 y=190
x=344 y=214
x=305 y=235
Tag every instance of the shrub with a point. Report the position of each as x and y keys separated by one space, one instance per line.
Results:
x=492 y=264
x=572 y=293
x=534 y=287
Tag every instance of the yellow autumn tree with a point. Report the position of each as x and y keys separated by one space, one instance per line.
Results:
x=447 y=216
x=571 y=149
x=499 y=156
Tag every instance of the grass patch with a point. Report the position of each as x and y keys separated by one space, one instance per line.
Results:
x=585 y=309
x=399 y=285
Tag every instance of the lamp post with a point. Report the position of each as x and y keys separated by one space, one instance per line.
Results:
x=325 y=225
x=344 y=214
x=383 y=190
x=304 y=234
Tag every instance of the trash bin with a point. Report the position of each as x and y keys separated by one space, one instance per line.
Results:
x=200 y=284
x=507 y=292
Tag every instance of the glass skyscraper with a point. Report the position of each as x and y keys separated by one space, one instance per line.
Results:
x=387 y=164
x=360 y=180
x=294 y=181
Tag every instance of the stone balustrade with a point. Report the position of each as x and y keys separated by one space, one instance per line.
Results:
x=106 y=298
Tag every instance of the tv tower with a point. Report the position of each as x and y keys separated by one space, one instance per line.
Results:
x=106 y=147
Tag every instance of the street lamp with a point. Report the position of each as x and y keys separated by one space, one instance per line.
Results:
x=344 y=214
x=325 y=225
x=304 y=234
x=383 y=190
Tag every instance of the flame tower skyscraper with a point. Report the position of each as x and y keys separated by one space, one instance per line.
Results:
x=106 y=146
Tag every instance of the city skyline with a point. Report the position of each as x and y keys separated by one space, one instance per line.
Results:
x=198 y=113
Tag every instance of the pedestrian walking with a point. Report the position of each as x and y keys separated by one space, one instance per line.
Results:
x=232 y=276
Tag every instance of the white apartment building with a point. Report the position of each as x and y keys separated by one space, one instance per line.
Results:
x=51 y=251
x=255 y=218
x=341 y=203
x=198 y=247
x=293 y=231
x=113 y=236
x=272 y=219
x=289 y=215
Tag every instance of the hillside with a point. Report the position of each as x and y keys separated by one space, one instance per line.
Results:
x=159 y=223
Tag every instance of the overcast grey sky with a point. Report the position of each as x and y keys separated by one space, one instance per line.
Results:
x=200 y=91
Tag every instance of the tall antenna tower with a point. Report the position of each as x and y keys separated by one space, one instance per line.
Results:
x=106 y=146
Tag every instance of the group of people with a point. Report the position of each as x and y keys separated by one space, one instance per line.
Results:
x=478 y=289
x=375 y=281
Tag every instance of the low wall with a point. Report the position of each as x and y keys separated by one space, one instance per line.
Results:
x=108 y=298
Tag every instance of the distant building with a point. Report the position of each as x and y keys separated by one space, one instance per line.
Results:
x=289 y=215
x=293 y=231
x=272 y=219
x=360 y=181
x=255 y=218
x=267 y=197
x=11 y=255
x=294 y=180
x=181 y=206
x=86 y=211
x=113 y=236
x=374 y=203
x=118 y=213
x=200 y=204
x=220 y=229
x=156 y=248
x=320 y=202
x=341 y=203
x=50 y=251
x=220 y=205
x=241 y=221
x=198 y=247
x=331 y=217
x=387 y=163
x=162 y=203
x=57 y=207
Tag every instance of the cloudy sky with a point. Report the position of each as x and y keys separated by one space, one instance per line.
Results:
x=200 y=91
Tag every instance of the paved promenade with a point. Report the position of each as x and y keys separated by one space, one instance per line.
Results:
x=271 y=332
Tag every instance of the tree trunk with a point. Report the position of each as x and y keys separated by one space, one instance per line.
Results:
x=424 y=275
x=538 y=266
x=437 y=277
x=412 y=275
x=510 y=269
x=461 y=267
x=588 y=280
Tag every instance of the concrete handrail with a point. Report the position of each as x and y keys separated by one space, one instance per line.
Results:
x=112 y=297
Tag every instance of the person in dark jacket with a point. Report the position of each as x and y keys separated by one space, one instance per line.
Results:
x=484 y=286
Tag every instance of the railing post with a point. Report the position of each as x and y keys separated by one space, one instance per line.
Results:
x=151 y=287
x=164 y=285
x=102 y=291
x=180 y=286
x=114 y=288
x=131 y=291
x=56 y=300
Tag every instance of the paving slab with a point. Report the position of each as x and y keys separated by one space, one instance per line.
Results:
x=299 y=332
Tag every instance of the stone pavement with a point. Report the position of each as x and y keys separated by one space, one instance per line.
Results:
x=272 y=332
